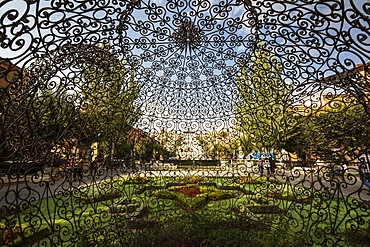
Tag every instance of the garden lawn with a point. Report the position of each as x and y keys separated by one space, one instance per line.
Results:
x=288 y=214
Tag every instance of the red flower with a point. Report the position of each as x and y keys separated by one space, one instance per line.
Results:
x=190 y=191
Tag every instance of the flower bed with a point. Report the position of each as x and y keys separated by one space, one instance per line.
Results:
x=21 y=235
x=192 y=179
x=107 y=190
x=193 y=197
x=286 y=196
x=266 y=210
x=98 y=197
x=126 y=180
x=295 y=194
x=190 y=191
x=255 y=180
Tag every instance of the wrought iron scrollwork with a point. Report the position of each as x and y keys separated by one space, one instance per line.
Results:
x=184 y=123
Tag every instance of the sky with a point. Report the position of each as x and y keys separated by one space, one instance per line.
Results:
x=195 y=85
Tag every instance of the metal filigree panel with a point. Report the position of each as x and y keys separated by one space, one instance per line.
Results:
x=184 y=123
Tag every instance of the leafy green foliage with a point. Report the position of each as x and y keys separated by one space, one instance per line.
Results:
x=199 y=230
x=283 y=218
x=340 y=124
x=109 y=91
x=255 y=180
x=108 y=190
x=149 y=148
x=217 y=146
x=264 y=100
x=98 y=106
x=21 y=235
x=192 y=179
x=193 y=197
x=59 y=119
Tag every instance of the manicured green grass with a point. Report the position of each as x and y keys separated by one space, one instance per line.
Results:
x=275 y=213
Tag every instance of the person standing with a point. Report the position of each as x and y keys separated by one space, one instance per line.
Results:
x=69 y=168
x=260 y=167
x=79 y=170
x=364 y=170
x=268 y=167
x=272 y=165
x=94 y=167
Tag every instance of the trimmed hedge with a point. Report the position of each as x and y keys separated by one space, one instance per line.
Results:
x=194 y=162
x=22 y=166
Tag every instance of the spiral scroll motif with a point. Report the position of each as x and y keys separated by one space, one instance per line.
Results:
x=141 y=122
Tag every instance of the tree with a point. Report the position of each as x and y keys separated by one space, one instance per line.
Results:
x=219 y=144
x=40 y=115
x=342 y=125
x=206 y=144
x=148 y=148
x=174 y=144
x=58 y=120
x=94 y=103
x=305 y=138
x=262 y=111
x=109 y=91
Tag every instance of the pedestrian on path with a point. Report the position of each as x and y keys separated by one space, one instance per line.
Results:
x=260 y=167
x=272 y=165
x=94 y=167
x=364 y=171
x=69 y=168
x=79 y=169
x=268 y=167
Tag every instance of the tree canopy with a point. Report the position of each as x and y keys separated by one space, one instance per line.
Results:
x=97 y=106
x=264 y=99
x=109 y=91
x=341 y=126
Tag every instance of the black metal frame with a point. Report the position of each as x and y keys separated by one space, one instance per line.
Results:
x=96 y=96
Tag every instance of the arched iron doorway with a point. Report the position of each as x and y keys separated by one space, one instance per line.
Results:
x=184 y=123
